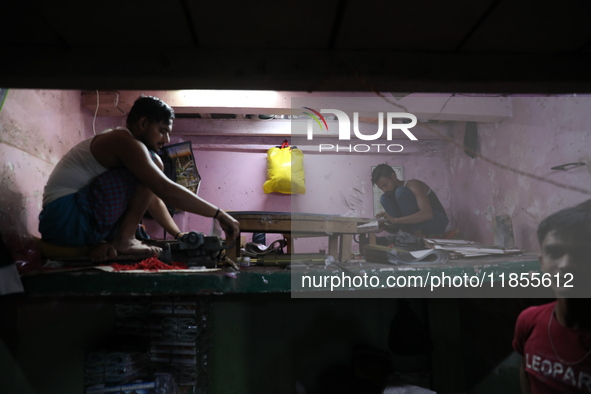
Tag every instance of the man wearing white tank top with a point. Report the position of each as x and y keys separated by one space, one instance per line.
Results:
x=99 y=191
x=408 y=205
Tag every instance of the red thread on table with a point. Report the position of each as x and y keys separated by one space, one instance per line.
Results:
x=150 y=264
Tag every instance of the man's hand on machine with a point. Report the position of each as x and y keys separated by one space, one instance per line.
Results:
x=230 y=225
x=384 y=217
x=386 y=222
x=179 y=235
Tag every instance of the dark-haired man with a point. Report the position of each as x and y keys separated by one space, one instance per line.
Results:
x=555 y=339
x=409 y=205
x=100 y=190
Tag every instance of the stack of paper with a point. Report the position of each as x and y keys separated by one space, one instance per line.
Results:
x=384 y=254
x=370 y=227
x=459 y=248
x=428 y=256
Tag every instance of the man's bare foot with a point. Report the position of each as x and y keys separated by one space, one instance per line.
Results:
x=133 y=246
x=101 y=252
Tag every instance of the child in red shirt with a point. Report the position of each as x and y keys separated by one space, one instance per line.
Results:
x=555 y=339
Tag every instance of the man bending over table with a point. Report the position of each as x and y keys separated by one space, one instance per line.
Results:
x=99 y=191
x=409 y=205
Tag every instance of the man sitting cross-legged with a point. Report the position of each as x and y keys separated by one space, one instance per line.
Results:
x=99 y=191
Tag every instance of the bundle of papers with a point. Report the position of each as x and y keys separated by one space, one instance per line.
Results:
x=369 y=227
x=459 y=248
x=400 y=256
x=436 y=251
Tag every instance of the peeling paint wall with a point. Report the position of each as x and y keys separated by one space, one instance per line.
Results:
x=544 y=132
x=37 y=127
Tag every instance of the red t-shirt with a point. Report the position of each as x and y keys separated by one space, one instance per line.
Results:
x=544 y=368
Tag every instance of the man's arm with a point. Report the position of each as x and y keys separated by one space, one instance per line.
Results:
x=523 y=379
x=121 y=149
x=160 y=213
x=523 y=328
x=425 y=213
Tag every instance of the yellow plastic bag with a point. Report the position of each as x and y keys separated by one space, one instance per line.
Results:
x=285 y=170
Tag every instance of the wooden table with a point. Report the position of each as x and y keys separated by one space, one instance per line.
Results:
x=338 y=229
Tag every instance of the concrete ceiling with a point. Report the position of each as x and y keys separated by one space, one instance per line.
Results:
x=485 y=46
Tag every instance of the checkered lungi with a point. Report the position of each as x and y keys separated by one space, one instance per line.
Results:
x=105 y=200
x=91 y=215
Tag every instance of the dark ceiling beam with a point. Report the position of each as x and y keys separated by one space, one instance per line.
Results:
x=190 y=23
x=585 y=47
x=476 y=25
x=336 y=23
x=292 y=70
x=49 y=24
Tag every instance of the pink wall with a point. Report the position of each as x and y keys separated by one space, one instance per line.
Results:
x=37 y=127
x=232 y=181
x=544 y=132
x=337 y=184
